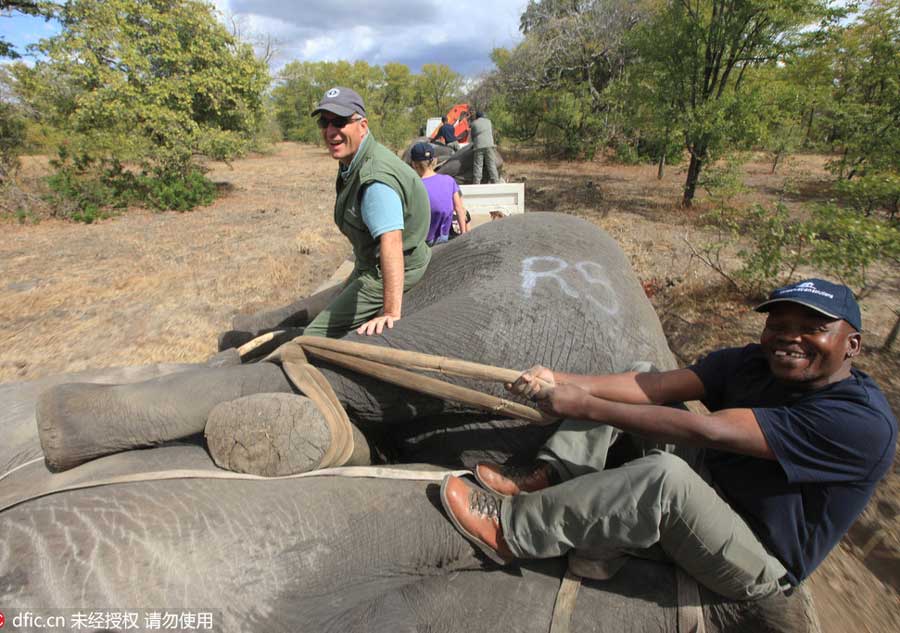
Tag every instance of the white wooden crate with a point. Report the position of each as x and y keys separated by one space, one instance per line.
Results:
x=482 y=199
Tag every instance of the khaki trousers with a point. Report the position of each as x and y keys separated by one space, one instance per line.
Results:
x=361 y=299
x=484 y=158
x=657 y=501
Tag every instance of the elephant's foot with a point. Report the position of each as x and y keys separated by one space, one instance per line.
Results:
x=78 y=422
x=273 y=434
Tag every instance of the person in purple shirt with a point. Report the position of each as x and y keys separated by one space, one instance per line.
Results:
x=769 y=483
x=443 y=193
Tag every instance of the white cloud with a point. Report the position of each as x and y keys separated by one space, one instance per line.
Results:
x=460 y=34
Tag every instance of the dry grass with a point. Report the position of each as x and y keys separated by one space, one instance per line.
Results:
x=145 y=287
x=151 y=287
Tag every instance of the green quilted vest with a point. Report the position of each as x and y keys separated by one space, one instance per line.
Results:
x=374 y=163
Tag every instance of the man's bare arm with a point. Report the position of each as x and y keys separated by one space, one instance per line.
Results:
x=679 y=385
x=392 y=267
x=734 y=430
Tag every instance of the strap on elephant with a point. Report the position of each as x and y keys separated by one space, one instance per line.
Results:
x=687 y=594
x=392 y=366
x=35 y=487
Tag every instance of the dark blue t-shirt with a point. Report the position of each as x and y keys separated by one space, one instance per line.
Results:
x=447 y=132
x=832 y=446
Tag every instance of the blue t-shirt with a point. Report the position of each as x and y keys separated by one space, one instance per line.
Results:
x=447 y=132
x=831 y=445
x=381 y=209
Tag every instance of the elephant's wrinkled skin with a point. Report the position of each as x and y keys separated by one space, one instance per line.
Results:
x=538 y=288
x=337 y=554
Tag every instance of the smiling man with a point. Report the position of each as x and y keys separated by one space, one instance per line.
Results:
x=787 y=460
x=382 y=208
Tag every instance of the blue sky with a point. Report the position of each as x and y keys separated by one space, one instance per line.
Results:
x=460 y=34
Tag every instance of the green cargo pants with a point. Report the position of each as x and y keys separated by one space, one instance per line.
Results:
x=658 y=501
x=361 y=299
x=484 y=159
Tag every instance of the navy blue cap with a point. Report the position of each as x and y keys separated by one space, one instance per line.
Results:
x=421 y=151
x=342 y=102
x=833 y=300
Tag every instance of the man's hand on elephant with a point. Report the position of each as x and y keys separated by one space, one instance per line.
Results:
x=529 y=384
x=376 y=325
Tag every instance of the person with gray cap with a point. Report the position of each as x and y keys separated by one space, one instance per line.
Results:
x=382 y=208
x=788 y=459
x=482 y=134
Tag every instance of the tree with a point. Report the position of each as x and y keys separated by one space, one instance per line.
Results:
x=697 y=54
x=28 y=7
x=151 y=82
x=552 y=84
x=865 y=115
x=439 y=87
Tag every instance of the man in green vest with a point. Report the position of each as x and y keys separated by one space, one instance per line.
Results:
x=382 y=208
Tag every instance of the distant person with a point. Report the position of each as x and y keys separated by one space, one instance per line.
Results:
x=482 y=135
x=446 y=135
x=443 y=194
x=382 y=209
x=796 y=442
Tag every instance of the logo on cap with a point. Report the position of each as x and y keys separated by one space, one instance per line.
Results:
x=806 y=286
x=331 y=94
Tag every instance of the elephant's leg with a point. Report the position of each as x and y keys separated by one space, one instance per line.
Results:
x=79 y=422
x=274 y=434
x=298 y=314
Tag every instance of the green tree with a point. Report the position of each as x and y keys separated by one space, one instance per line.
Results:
x=395 y=105
x=151 y=82
x=552 y=85
x=439 y=86
x=697 y=54
x=865 y=116
x=784 y=105
x=28 y=7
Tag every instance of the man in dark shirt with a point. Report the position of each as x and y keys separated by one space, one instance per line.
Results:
x=446 y=134
x=789 y=457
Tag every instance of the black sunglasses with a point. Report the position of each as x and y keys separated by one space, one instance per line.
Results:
x=339 y=122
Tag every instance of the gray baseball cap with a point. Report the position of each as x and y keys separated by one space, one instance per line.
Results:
x=342 y=102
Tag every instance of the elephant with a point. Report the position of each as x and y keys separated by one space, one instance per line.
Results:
x=455 y=164
x=163 y=529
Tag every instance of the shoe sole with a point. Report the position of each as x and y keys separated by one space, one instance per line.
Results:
x=486 y=549
x=489 y=487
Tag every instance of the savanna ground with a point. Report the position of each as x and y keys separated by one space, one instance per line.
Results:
x=150 y=287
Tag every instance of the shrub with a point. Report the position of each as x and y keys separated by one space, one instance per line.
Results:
x=875 y=191
x=86 y=189
x=180 y=193
x=847 y=243
x=775 y=244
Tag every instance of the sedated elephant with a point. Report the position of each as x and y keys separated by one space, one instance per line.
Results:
x=456 y=164
x=160 y=530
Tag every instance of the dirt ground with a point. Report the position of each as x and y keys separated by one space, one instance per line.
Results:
x=150 y=287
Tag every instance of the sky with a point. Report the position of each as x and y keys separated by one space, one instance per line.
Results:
x=458 y=33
